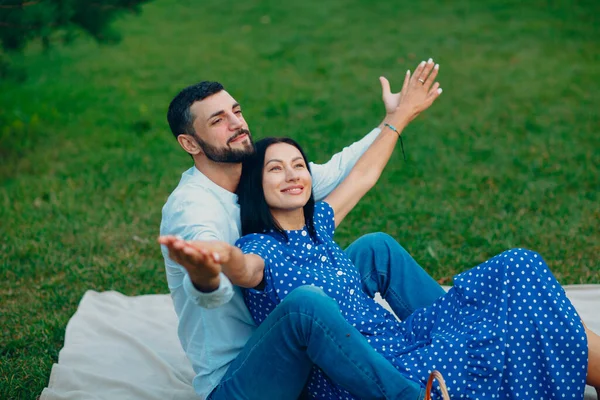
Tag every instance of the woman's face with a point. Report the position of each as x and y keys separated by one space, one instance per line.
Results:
x=287 y=184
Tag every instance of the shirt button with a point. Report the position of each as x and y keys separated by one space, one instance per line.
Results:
x=340 y=273
x=323 y=258
x=351 y=291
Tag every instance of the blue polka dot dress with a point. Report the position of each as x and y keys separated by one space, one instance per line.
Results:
x=505 y=330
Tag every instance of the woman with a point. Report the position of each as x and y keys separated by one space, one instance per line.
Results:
x=506 y=328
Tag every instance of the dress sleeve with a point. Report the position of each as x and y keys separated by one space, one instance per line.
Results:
x=324 y=218
x=266 y=248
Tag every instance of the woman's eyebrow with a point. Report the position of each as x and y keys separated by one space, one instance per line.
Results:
x=277 y=160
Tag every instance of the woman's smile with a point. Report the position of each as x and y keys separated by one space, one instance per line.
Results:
x=293 y=190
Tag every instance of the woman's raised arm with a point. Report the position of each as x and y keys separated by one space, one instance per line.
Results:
x=418 y=93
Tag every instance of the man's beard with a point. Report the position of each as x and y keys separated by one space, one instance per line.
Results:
x=227 y=154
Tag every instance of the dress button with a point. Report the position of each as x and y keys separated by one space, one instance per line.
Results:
x=351 y=291
x=323 y=258
x=340 y=273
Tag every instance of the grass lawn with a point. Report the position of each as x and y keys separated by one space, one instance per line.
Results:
x=509 y=155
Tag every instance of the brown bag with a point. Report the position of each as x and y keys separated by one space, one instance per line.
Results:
x=436 y=375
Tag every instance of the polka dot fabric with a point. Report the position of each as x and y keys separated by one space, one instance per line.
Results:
x=504 y=331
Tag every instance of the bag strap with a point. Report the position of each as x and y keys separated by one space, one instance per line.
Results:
x=436 y=375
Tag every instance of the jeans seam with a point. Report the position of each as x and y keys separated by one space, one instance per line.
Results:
x=287 y=315
x=398 y=299
x=367 y=278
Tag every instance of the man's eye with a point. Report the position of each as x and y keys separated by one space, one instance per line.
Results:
x=238 y=111
x=216 y=121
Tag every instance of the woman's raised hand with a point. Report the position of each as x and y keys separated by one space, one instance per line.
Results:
x=418 y=93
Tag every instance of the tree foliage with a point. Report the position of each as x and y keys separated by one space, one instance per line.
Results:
x=25 y=20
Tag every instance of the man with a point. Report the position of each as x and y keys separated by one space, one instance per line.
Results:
x=228 y=352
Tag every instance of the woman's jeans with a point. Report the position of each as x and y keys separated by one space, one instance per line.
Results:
x=307 y=328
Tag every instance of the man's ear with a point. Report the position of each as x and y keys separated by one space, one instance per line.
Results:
x=189 y=144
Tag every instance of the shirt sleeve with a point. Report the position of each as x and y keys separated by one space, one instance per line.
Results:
x=324 y=218
x=192 y=220
x=213 y=299
x=328 y=176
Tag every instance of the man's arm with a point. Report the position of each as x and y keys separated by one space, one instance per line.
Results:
x=205 y=260
x=191 y=215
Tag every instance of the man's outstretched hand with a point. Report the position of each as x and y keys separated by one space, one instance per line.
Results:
x=201 y=259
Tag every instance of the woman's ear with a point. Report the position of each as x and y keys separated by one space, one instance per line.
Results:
x=189 y=144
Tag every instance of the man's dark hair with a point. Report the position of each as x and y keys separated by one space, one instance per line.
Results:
x=179 y=115
x=254 y=211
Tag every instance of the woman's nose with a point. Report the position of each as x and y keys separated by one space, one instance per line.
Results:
x=291 y=174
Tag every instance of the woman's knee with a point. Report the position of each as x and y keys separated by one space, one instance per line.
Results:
x=525 y=255
x=378 y=243
x=524 y=260
x=309 y=299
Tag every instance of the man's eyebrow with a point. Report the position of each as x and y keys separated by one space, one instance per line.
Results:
x=220 y=112
x=216 y=113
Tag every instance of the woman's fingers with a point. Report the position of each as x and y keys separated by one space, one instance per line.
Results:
x=427 y=68
x=431 y=78
x=433 y=89
x=417 y=74
x=433 y=94
x=405 y=83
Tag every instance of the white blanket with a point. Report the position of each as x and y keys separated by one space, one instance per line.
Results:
x=120 y=347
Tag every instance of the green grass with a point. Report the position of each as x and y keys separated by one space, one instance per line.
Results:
x=509 y=156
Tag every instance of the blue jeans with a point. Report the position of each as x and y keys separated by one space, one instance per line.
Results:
x=307 y=329
x=387 y=268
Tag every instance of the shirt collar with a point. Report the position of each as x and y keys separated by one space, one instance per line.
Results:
x=213 y=187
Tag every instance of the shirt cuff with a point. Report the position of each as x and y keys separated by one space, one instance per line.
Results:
x=213 y=299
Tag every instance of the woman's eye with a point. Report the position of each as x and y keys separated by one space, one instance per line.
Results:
x=299 y=165
x=275 y=168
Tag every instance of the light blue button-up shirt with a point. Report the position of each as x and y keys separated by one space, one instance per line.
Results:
x=214 y=327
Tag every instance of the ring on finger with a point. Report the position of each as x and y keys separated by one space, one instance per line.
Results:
x=421 y=80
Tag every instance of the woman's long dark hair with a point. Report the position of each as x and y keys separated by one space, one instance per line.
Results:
x=255 y=213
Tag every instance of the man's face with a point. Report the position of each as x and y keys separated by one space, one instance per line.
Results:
x=221 y=130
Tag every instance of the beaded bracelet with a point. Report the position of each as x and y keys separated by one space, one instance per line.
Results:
x=392 y=127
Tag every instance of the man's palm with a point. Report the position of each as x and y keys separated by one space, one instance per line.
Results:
x=390 y=100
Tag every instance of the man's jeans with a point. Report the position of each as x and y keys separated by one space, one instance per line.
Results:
x=307 y=328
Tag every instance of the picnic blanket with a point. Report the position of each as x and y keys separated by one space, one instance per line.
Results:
x=120 y=347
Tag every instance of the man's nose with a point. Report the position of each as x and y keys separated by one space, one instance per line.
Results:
x=235 y=122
